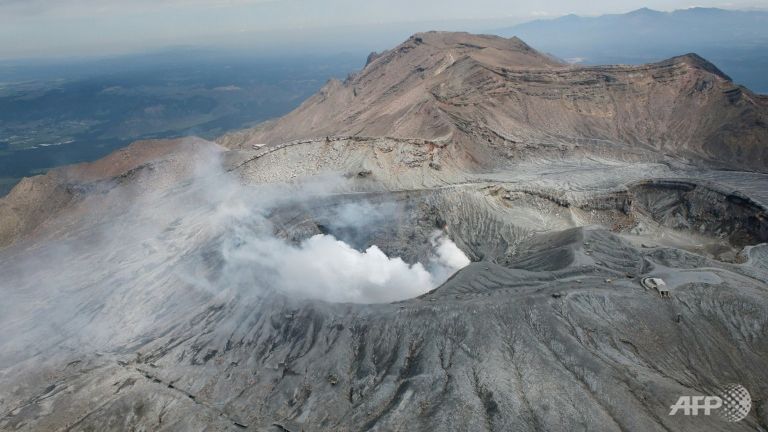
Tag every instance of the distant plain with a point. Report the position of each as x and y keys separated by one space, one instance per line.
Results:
x=55 y=113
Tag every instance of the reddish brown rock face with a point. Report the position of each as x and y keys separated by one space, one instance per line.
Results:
x=486 y=91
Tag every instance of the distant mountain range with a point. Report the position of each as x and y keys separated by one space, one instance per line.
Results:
x=736 y=41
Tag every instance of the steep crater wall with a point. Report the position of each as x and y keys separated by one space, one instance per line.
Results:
x=704 y=209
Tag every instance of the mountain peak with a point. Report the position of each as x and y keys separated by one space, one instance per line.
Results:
x=488 y=91
x=444 y=39
x=699 y=62
x=644 y=11
x=421 y=49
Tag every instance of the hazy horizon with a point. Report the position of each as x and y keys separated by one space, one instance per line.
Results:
x=34 y=29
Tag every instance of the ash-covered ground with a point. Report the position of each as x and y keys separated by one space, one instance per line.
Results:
x=357 y=282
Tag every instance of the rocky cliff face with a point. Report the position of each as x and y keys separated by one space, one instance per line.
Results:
x=500 y=96
x=148 y=290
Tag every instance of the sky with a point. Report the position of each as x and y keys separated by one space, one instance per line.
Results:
x=46 y=28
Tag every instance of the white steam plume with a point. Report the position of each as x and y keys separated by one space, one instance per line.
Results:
x=148 y=254
x=324 y=268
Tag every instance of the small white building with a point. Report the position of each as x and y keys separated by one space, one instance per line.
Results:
x=657 y=284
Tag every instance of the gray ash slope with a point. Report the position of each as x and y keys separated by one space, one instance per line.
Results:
x=128 y=304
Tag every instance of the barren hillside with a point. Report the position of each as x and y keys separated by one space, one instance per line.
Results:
x=454 y=238
x=490 y=94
